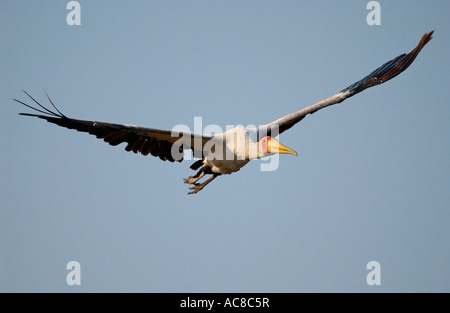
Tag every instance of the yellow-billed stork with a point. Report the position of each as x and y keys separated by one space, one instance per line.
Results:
x=223 y=153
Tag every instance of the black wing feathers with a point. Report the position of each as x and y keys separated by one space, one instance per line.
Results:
x=389 y=69
x=156 y=142
x=381 y=75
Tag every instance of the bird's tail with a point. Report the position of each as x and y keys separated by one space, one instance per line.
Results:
x=197 y=165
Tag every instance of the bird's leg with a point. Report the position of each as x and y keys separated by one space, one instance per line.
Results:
x=197 y=187
x=192 y=180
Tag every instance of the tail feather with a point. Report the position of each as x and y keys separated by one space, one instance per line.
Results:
x=197 y=165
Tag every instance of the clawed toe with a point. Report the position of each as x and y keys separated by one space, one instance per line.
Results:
x=190 y=180
x=197 y=187
x=194 y=190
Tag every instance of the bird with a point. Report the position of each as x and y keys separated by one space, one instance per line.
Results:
x=223 y=153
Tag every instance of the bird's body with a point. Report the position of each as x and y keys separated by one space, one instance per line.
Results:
x=227 y=152
x=224 y=166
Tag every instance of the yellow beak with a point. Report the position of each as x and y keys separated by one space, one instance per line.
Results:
x=274 y=146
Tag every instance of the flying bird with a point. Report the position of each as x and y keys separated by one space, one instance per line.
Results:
x=223 y=153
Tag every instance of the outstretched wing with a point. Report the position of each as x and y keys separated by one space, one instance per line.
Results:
x=381 y=75
x=165 y=144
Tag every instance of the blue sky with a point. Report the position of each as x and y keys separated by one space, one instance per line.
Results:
x=370 y=184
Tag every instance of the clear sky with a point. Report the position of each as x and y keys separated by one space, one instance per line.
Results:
x=371 y=182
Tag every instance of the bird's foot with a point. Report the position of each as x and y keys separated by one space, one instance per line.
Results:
x=196 y=188
x=191 y=180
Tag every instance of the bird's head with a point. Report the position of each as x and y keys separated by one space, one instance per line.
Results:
x=269 y=146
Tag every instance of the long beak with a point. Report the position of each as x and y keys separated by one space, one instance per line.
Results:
x=276 y=147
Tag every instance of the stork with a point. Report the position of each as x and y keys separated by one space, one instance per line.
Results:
x=223 y=153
